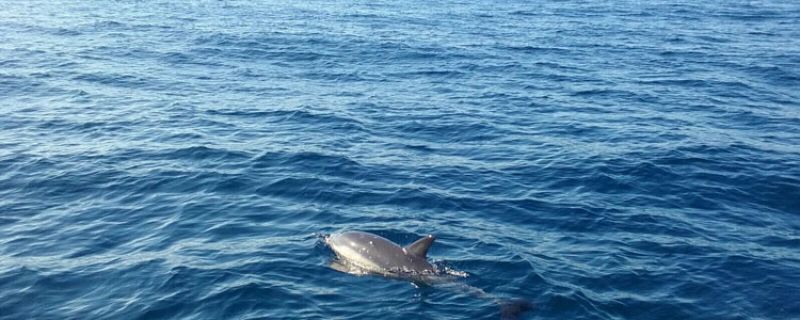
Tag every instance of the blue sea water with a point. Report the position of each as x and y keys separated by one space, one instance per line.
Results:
x=602 y=159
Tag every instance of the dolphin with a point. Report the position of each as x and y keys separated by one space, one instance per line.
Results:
x=380 y=255
x=358 y=252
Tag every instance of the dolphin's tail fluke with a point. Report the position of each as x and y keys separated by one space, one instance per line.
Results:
x=513 y=309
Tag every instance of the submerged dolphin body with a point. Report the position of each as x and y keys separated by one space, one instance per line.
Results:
x=362 y=253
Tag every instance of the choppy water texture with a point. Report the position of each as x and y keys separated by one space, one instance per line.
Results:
x=603 y=159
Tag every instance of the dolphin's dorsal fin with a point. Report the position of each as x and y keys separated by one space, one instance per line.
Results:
x=420 y=247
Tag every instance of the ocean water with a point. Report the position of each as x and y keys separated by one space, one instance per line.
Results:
x=601 y=159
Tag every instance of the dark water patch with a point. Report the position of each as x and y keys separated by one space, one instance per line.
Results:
x=309 y=162
x=603 y=93
x=297 y=116
x=429 y=74
x=204 y=153
x=267 y=46
x=10 y=63
x=779 y=75
x=336 y=76
x=438 y=131
x=121 y=80
x=23 y=86
x=537 y=50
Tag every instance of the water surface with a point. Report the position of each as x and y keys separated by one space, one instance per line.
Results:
x=604 y=159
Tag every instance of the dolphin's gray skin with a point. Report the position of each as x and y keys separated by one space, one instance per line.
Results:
x=377 y=254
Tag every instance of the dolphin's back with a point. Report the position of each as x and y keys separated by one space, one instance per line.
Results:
x=376 y=253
